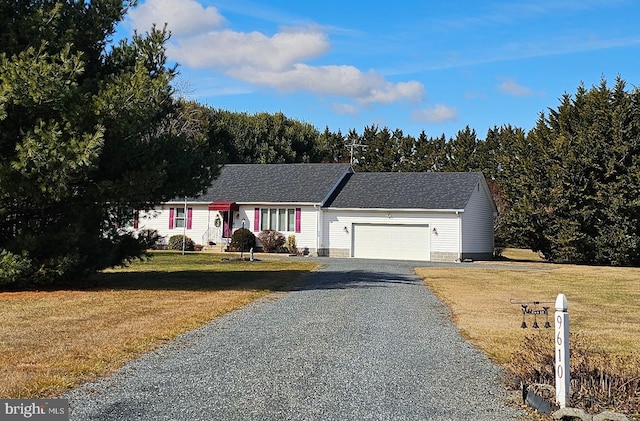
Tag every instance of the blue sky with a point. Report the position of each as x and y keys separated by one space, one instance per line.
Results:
x=413 y=65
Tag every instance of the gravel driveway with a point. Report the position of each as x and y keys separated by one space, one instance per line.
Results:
x=359 y=340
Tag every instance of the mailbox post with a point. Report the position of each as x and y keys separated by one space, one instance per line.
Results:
x=561 y=319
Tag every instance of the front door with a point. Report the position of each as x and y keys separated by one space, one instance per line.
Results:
x=227 y=223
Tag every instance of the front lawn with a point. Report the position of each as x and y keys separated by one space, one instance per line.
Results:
x=53 y=340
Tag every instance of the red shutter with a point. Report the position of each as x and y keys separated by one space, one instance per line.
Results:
x=256 y=220
x=298 y=212
x=189 y=218
x=136 y=219
x=172 y=215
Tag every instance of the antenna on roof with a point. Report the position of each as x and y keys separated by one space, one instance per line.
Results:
x=355 y=145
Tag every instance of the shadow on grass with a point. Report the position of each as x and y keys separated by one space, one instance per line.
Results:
x=191 y=280
x=202 y=280
x=284 y=280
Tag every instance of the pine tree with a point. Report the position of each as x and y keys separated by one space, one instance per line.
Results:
x=88 y=135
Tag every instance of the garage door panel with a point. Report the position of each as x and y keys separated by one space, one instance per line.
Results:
x=388 y=241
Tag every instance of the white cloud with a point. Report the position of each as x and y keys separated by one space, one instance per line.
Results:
x=345 y=109
x=510 y=87
x=438 y=114
x=182 y=16
x=277 y=61
x=237 y=50
x=343 y=80
x=388 y=92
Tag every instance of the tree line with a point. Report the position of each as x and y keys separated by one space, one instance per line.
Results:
x=92 y=131
x=568 y=189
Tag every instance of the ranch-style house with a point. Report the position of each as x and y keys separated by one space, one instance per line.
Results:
x=334 y=211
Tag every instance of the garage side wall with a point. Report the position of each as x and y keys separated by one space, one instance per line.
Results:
x=337 y=228
x=477 y=226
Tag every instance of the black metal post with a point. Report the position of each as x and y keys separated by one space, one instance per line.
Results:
x=242 y=241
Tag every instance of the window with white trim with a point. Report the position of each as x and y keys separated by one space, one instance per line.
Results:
x=180 y=218
x=279 y=219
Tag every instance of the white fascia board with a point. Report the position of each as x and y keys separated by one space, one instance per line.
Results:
x=181 y=202
x=277 y=204
x=395 y=210
x=272 y=204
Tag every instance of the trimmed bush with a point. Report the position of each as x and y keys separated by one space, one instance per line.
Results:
x=175 y=243
x=272 y=240
x=242 y=239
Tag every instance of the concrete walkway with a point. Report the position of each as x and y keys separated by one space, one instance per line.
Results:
x=359 y=340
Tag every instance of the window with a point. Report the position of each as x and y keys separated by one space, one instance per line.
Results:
x=178 y=219
x=279 y=219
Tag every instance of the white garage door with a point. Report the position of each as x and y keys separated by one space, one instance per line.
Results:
x=385 y=241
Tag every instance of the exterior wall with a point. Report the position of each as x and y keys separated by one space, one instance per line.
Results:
x=158 y=219
x=336 y=240
x=324 y=231
x=203 y=226
x=477 y=225
x=305 y=239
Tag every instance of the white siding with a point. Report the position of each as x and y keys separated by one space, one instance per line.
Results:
x=158 y=219
x=477 y=223
x=306 y=238
x=308 y=235
x=203 y=220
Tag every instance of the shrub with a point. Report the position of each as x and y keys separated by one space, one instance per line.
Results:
x=15 y=268
x=175 y=243
x=242 y=239
x=272 y=241
x=291 y=245
x=598 y=382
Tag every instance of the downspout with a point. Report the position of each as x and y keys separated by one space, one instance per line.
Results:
x=317 y=208
x=459 y=236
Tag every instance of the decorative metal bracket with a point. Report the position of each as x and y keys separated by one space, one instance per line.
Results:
x=531 y=307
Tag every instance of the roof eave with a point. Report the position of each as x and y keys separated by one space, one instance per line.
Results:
x=280 y=203
x=396 y=210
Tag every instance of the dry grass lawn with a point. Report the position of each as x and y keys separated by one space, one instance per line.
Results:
x=52 y=340
x=604 y=302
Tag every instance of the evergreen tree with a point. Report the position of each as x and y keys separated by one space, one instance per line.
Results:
x=461 y=151
x=332 y=147
x=574 y=196
x=265 y=138
x=87 y=137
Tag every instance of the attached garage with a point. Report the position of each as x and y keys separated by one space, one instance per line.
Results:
x=436 y=217
x=387 y=241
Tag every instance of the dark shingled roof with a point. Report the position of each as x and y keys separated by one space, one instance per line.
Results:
x=409 y=190
x=259 y=183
